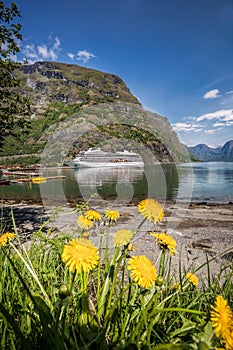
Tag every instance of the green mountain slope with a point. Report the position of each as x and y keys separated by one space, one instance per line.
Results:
x=48 y=82
x=115 y=127
x=64 y=96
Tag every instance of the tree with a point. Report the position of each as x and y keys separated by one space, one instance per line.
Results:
x=14 y=107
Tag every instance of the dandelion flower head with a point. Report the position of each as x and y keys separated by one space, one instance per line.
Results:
x=221 y=318
x=93 y=215
x=112 y=215
x=131 y=247
x=80 y=255
x=6 y=237
x=122 y=237
x=192 y=278
x=85 y=234
x=165 y=241
x=84 y=222
x=151 y=210
x=177 y=286
x=142 y=270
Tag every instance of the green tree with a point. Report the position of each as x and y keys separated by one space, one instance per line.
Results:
x=14 y=107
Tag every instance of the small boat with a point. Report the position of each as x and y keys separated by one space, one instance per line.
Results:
x=96 y=158
x=6 y=172
x=4 y=182
x=38 y=180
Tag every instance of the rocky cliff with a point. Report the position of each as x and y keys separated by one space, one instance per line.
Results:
x=66 y=98
x=47 y=82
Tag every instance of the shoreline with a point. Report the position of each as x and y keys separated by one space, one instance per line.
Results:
x=135 y=201
x=201 y=230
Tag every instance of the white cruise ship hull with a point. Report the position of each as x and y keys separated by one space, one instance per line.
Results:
x=105 y=165
x=100 y=159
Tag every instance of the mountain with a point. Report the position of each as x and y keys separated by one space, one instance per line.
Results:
x=115 y=127
x=209 y=154
x=64 y=96
x=47 y=82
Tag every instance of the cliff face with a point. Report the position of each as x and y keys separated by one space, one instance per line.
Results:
x=47 y=82
x=115 y=127
x=218 y=154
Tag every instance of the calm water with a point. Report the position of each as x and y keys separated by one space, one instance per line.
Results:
x=196 y=182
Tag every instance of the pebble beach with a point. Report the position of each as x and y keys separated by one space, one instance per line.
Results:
x=202 y=231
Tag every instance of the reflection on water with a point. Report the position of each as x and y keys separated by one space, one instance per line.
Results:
x=117 y=183
x=211 y=182
x=103 y=176
x=121 y=184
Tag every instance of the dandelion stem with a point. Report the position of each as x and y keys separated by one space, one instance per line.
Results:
x=34 y=275
x=102 y=298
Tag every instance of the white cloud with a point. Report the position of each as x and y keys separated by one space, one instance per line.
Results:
x=57 y=43
x=30 y=52
x=71 y=55
x=186 y=127
x=46 y=53
x=217 y=124
x=211 y=94
x=50 y=53
x=229 y=92
x=228 y=117
x=221 y=114
x=42 y=52
x=84 y=56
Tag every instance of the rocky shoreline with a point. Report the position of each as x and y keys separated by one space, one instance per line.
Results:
x=201 y=230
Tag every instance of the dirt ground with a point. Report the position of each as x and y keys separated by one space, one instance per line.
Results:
x=201 y=231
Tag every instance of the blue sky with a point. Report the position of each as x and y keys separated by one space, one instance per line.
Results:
x=176 y=56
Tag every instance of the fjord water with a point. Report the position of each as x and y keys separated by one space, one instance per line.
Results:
x=211 y=181
x=189 y=182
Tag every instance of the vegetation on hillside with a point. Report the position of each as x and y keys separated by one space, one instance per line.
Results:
x=56 y=92
x=112 y=127
x=102 y=126
x=33 y=141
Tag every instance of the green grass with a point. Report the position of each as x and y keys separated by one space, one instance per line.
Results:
x=43 y=305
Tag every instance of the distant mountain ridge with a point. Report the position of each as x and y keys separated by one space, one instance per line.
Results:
x=208 y=154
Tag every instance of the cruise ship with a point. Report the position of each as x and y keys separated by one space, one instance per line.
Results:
x=96 y=158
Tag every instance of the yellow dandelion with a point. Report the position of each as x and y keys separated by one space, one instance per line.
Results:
x=80 y=255
x=85 y=234
x=151 y=210
x=142 y=270
x=165 y=241
x=112 y=215
x=131 y=247
x=84 y=222
x=192 y=278
x=176 y=285
x=122 y=237
x=221 y=318
x=93 y=215
x=6 y=237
